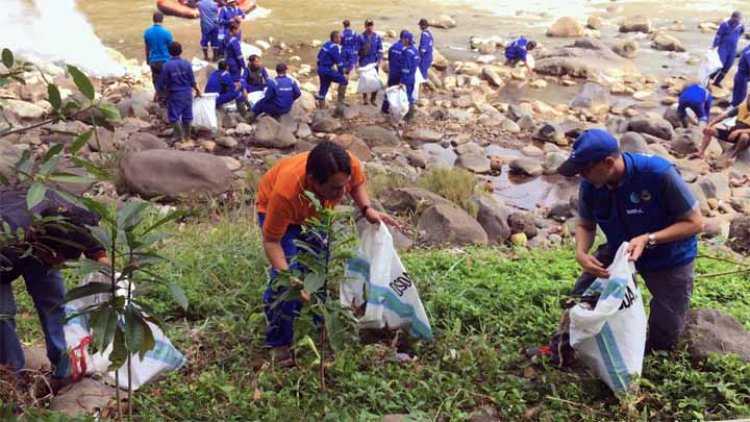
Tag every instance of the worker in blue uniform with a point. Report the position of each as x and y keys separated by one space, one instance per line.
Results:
x=331 y=69
x=426 y=45
x=741 y=78
x=209 y=14
x=349 y=46
x=229 y=14
x=221 y=82
x=697 y=98
x=394 y=67
x=178 y=81
x=725 y=42
x=234 y=57
x=409 y=69
x=517 y=51
x=369 y=50
x=255 y=76
x=281 y=93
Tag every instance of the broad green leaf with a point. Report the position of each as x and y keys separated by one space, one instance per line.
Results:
x=175 y=215
x=101 y=236
x=130 y=215
x=179 y=296
x=87 y=266
x=89 y=289
x=104 y=324
x=99 y=209
x=54 y=150
x=8 y=59
x=25 y=163
x=138 y=335
x=71 y=178
x=48 y=166
x=81 y=140
x=119 y=351
x=314 y=282
x=90 y=167
x=68 y=197
x=53 y=95
x=110 y=111
x=82 y=82
x=35 y=194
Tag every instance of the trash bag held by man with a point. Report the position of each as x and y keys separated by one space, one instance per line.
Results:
x=369 y=80
x=710 y=64
x=377 y=278
x=610 y=337
x=399 y=102
x=204 y=111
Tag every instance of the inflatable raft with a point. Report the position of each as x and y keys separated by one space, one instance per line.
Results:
x=188 y=9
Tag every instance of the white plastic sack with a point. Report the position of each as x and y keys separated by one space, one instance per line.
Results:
x=198 y=64
x=710 y=64
x=162 y=359
x=611 y=337
x=398 y=101
x=377 y=274
x=530 y=61
x=204 y=111
x=369 y=80
x=418 y=81
x=254 y=97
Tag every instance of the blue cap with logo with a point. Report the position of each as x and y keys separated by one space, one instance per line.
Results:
x=406 y=35
x=591 y=147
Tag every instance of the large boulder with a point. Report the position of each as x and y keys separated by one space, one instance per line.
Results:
x=492 y=77
x=637 y=23
x=174 y=173
x=716 y=185
x=377 y=136
x=528 y=166
x=402 y=200
x=474 y=162
x=739 y=234
x=142 y=141
x=667 y=42
x=626 y=48
x=322 y=122
x=565 y=27
x=269 y=133
x=687 y=141
x=522 y=222
x=445 y=224
x=655 y=126
x=354 y=145
x=634 y=142
x=424 y=135
x=587 y=58
x=138 y=105
x=708 y=331
x=592 y=97
x=492 y=215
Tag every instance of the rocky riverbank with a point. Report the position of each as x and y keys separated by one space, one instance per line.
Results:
x=511 y=149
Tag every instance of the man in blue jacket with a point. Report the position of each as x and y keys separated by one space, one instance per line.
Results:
x=640 y=199
x=725 y=41
x=696 y=98
x=426 y=45
x=370 y=50
x=394 y=67
x=255 y=77
x=178 y=81
x=741 y=78
x=280 y=95
x=349 y=46
x=229 y=14
x=157 y=40
x=409 y=69
x=221 y=82
x=518 y=50
x=209 y=13
x=233 y=51
x=331 y=68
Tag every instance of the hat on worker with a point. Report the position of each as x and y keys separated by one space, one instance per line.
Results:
x=406 y=35
x=591 y=147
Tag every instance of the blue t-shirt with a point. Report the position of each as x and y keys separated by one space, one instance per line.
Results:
x=157 y=38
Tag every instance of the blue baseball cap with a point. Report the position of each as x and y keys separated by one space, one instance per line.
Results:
x=591 y=147
x=407 y=35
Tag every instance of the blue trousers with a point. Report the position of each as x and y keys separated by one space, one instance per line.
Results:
x=424 y=66
x=701 y=109
x=328 y=76
x=727 y=59
x=269 y=108
x=281 y=317
x=228 y=97
x=47 y=290
x=180 y=106
x=210 y=37
x=739 y=92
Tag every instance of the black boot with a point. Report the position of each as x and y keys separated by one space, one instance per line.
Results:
x=205 y=53
x=177 y=134
x=187 y=131
x=373 y=96
x=321 y=102
x=340 y=101
x=410 y=114
x=251 y=117
x=242 y=108
x=364 y=99
x=216 y=55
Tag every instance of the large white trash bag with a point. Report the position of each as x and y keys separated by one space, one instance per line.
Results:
x=398 y=102
x=710 y=64
x=418 y=81
x=204 y=111
x=611 y=337
x=157 y=362
x=254 y=97
x=377 y=274
x=369 y=80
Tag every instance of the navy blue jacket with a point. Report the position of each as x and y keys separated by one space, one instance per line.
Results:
x=177 y=77
x=281 y=92
x=330 y=56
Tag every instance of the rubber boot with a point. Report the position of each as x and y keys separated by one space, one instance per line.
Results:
x=242 y=109
x=187 y=131
x=216 y=55
x=251 y=117
x=321 y=102
x=373 y=96
x=410 y=114
x=340 y=101
x=177 y=134
x=205 y=53
x=364 y=99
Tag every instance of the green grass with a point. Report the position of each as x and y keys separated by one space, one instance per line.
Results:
x=484 y=305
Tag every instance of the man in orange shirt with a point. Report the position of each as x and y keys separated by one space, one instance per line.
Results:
x=328 y=171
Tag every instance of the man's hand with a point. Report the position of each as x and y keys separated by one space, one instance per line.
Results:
x=637 y=246
x=592 y=265
x=198 y=92
x=375 y=217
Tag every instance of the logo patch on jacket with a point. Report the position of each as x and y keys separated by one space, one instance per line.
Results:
x=634 y=197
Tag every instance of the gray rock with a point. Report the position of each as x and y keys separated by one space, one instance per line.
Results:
x=708 y=331
x=9 y=156
x=687 y=141
x=304 y=131
x=174 y=173
x=459 y=115
x=244 y=129
x=560 y=211
x=376 y=136
x=626 y=48
x=424 y=135
x=468 y=148
x=322 y=122
x=587 y=58
x=271 y=134
x=516 y=113
x=83 y=398
x=137 y=106
x=142 y=141
x=667 y=42
x=617 y=124
x=354 y=145
x=476 y=163
x=403 y=200
x=716 y=185
x=522 y=222
x=526 y=123
x=510 y=126
x=550 y=132
x=739 y=234
x=444 y=224
x=418 y=158
x=492 y=215
x=565 y=27
x=637 y=23
x=492 y=77
x=527 y=166
x=634 y=142
x=592 y=97
x=670 y=115
x=226 y=142
x=102 y=141
x=553 y=161
x=655 y=126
